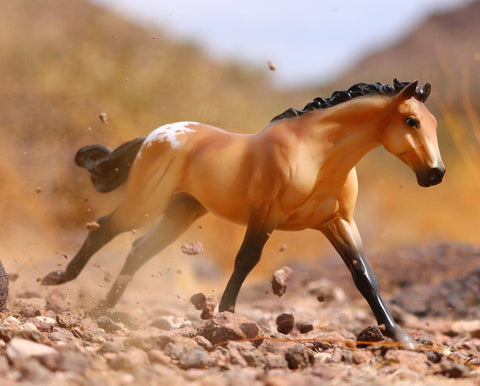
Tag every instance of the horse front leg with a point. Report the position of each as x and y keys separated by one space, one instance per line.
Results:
x=248 y=256
x=345 y=238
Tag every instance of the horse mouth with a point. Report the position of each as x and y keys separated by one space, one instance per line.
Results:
x=430 y=177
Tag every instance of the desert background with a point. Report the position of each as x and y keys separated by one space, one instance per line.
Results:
x=64 y=63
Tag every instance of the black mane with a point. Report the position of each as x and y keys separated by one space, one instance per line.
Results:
x=359 y=89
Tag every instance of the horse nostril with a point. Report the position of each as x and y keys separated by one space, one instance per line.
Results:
x=435 y=175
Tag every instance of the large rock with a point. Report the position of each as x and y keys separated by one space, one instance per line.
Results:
x=19 y=348
x=227 y=326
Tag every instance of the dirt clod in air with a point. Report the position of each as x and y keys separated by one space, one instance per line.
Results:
x=205 y=303
x=208 y=309
x=193 y=248
x=103 y=118
x=198 y=300
x=280 y=280
x=93 y=225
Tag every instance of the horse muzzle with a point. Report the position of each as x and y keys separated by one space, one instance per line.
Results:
x=431 y=176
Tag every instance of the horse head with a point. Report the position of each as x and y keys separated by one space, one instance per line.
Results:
x=411 y=135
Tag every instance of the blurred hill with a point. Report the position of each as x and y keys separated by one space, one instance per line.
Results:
x=443 y=50
x=63 y=63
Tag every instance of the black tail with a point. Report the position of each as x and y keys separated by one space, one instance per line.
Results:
x=108 y=169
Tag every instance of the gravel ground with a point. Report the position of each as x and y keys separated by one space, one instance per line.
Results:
x=318 y=332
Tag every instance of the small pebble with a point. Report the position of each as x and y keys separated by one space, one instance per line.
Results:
x=303 y=328
x=285 y=323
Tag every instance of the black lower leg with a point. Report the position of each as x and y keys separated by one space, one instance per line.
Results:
x=367 y=284
x=247 y=258
x=344 y=236
x=94 y=241
x=133 y=263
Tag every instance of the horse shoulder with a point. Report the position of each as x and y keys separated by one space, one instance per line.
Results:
x=343 y=191
x=270 y=153
x=283 y=173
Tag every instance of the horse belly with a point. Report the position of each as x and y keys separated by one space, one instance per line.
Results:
x=218 y=179
x=237 y=212
x=224 y=197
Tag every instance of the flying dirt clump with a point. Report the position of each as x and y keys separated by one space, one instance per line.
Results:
x=91 y=226
x=193 y=248
x=280 y=280
x=103 y=118
x=205 y=303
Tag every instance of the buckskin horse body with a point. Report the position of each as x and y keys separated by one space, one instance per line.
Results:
x=296 y=173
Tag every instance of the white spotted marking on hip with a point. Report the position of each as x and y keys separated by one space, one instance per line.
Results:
x=168 y=133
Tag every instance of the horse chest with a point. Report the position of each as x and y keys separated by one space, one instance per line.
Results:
x=309 y=215
x=307 y=205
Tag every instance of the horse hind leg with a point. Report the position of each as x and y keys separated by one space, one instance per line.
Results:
x=96 y=239
x=177 y=218
x=136 y=209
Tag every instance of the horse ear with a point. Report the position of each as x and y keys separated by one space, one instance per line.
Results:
x=407 y=92
x=426 y=91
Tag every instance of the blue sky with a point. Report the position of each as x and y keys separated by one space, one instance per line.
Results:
x=310 y=41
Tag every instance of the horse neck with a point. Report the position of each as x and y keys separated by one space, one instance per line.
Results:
x=346 y=132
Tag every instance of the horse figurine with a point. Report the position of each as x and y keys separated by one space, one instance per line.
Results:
x=296 y=173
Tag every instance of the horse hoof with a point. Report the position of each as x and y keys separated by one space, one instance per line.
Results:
x=410 y=345
x=98 y=311
x=404 y=341
x=54 y=278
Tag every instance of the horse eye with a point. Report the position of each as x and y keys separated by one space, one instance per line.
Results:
x=412 y=122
